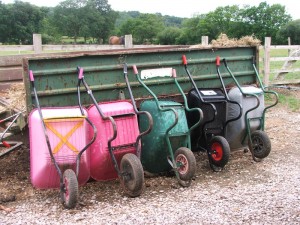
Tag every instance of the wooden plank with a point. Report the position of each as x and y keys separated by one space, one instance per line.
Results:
x=267 y=60
x=285 y=70
x=284 y=47
x=12 y=60
x=279 y=82
x=11 y=74
x=17 y=48
x=284 y=58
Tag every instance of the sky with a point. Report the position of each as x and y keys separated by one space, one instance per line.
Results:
x=179 y=8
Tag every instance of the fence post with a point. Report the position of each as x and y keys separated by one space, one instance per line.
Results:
x=128 y=41
x=289 y=43
x=204 y=40
x=267 y=60
x=37 y=43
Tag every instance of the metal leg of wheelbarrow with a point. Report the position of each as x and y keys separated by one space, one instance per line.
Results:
x=10 y=145
x=13 y=145
x=182 y=160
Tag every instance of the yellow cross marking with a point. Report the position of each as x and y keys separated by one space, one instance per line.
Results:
x=64 y=139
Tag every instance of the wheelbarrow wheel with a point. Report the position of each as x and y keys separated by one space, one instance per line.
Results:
x=261 y=144
x=186 y=163
x=219 y=152
x=132 y=175
x=70 y=195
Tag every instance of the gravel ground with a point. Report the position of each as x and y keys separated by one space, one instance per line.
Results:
x=245 y=192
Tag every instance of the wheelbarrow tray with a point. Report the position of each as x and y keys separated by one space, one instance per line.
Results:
x=68 y=134
x=154 y=146
x=210 y=95
x=102 y=167
x=236 y=130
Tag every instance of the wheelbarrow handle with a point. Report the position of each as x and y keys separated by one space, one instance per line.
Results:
x=253 y=60
x=31 y=75
x=218 y=61
x=125 y=68
x=80 y=73
x=225 y=62
x=174 y=75
x=184 y=60
x=135 y=70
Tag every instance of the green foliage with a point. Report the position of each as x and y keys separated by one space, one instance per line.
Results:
x=95 y=19
x=19 y=21
x=292 y=30
x=144 y=28
x=265 y=20
x=169 y=36
x=86 y=18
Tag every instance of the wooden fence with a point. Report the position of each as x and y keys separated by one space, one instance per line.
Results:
x=293 y=57
x=11 y=66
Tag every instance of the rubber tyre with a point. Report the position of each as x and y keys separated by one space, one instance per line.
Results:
x=186 y=158
x=261 y=144
x=133 y=183
x=220 y=151
x=71 y=193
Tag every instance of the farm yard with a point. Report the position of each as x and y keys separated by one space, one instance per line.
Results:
x=85 y=140
x=245 y=192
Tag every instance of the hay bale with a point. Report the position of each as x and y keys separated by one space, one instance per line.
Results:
x=16 y=97
x=224 y=41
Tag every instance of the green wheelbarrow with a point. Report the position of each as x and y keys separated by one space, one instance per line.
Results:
x=167 y=146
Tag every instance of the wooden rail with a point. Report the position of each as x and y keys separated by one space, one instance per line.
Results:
x=294 y=56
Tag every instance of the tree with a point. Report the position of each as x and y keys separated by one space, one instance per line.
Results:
x=101 y=20
x=222 y=20
x=191 y=31
x=264 y=20
x=19 y=21
x=292 y=30
x=169 y=36
x=87 y=18
x=3 y=22
x=144 y=28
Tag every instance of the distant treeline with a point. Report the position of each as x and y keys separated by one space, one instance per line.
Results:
x=93 y=21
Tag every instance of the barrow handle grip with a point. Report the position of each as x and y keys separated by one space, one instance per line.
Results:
x=125 y=68
x=31 y=75
x=135 y=70
x=80 y=73
x=174 y=75
x=184 y=61
x=218 y=61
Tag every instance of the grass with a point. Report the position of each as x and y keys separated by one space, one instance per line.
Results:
x=292 y=102
x=286 y=97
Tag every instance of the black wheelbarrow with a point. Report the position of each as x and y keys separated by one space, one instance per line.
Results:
x=210 y=135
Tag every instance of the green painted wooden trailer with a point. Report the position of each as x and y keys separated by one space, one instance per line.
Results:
x=56 y=75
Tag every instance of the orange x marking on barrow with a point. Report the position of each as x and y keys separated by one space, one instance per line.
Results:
x=64 y=138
